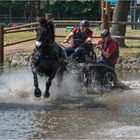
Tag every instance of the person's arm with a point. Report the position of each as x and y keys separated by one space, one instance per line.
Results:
x=68 y=37
x=110 y=50
x=99 y=44
x=105 y=53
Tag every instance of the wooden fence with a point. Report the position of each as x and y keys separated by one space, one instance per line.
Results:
x=63 y=23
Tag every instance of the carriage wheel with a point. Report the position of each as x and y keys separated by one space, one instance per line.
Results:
x=92 y=82
x=108 y=80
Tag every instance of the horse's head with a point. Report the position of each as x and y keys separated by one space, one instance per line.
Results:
x=43 y=38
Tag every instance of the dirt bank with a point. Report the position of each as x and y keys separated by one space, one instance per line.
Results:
x=19 y=48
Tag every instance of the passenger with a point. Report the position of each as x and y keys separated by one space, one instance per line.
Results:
x=82 y=36
x=109 y=48
x=110 y=54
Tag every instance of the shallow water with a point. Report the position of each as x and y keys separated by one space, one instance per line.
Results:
x=67 y=114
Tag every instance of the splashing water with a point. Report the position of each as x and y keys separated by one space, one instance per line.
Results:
x=15 y=85
x=68 y=113
x=19 y=83
x=132 y=84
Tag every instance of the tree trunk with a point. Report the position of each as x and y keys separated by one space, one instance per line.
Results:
x=120 y=14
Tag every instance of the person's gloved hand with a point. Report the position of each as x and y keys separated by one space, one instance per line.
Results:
x=88 y=41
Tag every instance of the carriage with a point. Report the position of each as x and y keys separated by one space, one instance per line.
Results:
x=90 y=74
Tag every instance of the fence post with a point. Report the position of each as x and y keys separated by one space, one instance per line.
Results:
x=1 y=44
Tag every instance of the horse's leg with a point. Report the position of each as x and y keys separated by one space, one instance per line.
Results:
x=48 y=84
x=37 y=91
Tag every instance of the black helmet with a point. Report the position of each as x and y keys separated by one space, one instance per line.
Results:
x=84 y=23
x=105 y=33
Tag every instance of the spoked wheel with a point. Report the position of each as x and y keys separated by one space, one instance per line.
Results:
x=91 y=82
x=108 y=80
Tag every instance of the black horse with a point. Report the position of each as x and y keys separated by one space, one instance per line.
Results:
x=48 y=58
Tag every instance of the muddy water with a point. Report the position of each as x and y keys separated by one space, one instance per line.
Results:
x=67 y=114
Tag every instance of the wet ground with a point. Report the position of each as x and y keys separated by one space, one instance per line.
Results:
x=68 y=114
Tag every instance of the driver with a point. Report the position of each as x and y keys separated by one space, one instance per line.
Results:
x=81 y=35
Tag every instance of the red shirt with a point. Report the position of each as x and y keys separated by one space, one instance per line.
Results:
x=111 y=48
x=74 y=31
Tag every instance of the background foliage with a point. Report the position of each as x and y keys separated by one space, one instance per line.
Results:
x=68 y=9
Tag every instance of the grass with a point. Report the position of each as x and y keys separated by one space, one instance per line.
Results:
x=7 y=62
x=133 y=50
x=133 y=32
x=14 y=37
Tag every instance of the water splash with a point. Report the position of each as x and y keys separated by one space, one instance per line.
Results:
x=18 y=84
x=132 y=84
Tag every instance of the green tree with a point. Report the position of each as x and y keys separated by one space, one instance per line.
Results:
x=70 y=9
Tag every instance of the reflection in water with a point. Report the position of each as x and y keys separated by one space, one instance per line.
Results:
x=67 y=114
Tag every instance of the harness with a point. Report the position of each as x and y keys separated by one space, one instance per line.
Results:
x=114 y=55
x=80 y=37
